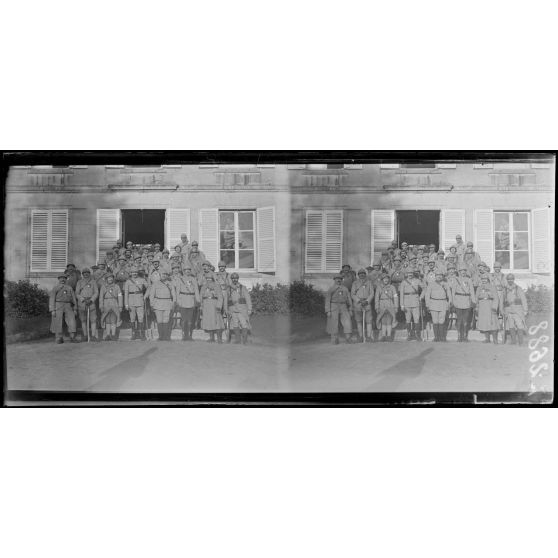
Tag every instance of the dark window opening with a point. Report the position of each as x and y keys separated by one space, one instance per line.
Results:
x=418 y=227
x=143 y=226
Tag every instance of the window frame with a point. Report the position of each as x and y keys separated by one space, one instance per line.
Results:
x=254 y=248
x=49 y=268
x=511 y=231
x=324 y=269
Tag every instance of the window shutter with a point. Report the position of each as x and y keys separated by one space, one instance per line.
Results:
x=108 y=229
x=333 y=240
x=542 y=239
x=382 y=230
x=209 y=234
x=453 y=223
x=39 y=239
x=314 y=241
x=59 y=240
x=484 y=235
x=178 y=222
x=266 y=239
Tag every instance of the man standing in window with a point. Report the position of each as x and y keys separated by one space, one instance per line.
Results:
x=515 y=309
x=63 y=305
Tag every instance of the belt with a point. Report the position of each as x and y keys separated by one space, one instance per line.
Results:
x=111 y=297
x=486 y=298
x=182 y=292
x=438 y=298
x=63 y=301
x=211 y=297
x=163 y=298
x=339 y=302
x=463 y=294
x=410 y=293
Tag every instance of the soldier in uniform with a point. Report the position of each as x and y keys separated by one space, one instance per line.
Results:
x=375 y=274
x=161 y=297
x=165 y=263
x=498 y=279
x=63 y=306
x=178 y=255
x=205 y=273
x=187 y=298
x=73 y=276
x=362 y=294
x=155 y=273
x=338 y=306
x=157 y=254
x=397 y=273
x=110 y=304
x=349 y=276
x=184 y=245
x=134 y=291
x=239 y=308
x=515 y=309
x=430 y=272
x=487 y=305
x=438 y=300
x=451 y=259
x=464 y=300
x=432 y=252
x=385 y=262
x=212 y=308
x=386 y=302
x=459 y=248
x=470 y=258
x=440 y=264
x=196 y=258
x=222 y=277
x=87 y=294
x=110 y=260
x=424 y=267
x=409 y=296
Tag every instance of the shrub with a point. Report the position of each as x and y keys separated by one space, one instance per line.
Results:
x=25 y=299
x=297 y=298
x=540 y=299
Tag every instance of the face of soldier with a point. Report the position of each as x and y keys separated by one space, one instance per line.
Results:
x=235 y=280
x=110 y=280
x=175 y=271
x=194 y=248
x=385 y=281
x=376 y=267
x=484 y=280
x=362 y=276
x=463 y=272
x=397 y=264
x=222 y=268
x=86 y=275
x=510 y=281
x=497 y=269
x=156 y=264
x=338 y=280
x=62 y=280
x=439 y=277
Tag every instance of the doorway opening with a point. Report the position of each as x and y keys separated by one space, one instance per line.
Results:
x=143 y=226
x=418 y=227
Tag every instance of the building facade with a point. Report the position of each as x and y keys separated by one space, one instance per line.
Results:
x=277 y=223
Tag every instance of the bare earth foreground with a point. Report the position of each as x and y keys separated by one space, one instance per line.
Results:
x=317 y=366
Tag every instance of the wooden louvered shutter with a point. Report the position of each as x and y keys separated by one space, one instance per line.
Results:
x=178 y=223
x=382 y=231
x=209 y=234
x=108 y=230
x=333 y=240
x=484 y=235
x=59 y=240
x=542 y=240
x=452 y=223
x=39 y=239
x=266 y=239
x=314 y=241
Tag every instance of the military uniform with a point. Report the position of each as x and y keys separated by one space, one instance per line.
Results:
x=438 y=299
x=515 y=310
x=212 y=308
x=134 y=290
x=487 y=304
x=362 y=295
x=409 y=297
x=224 y=279
x=338 y=306
x=187 y=296
x=63 y=306
x=463 y=299
x=161 y=297
x=349 y=277
x=498 y=279
x=386 y=302
x=87 y=294
x=110 y=304
x=239 y=308
x=196 y=259
x=73 y=276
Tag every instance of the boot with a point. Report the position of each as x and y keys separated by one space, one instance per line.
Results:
x=495 y=337
x=409 y=332
x=376 y=335
x=466 y=335
x=486 y=337
x=392 y=336
x=520 y=337
x=348 y=339
x=168 y=332
x=444 y=332
x=237 y=336
x=211 y=337
x=417 y=334
x=142 y=332
x=73 y=338
x=333 y=339
x=244 y=336
x=133 y=337
x=513 y=337
x=59 y=340
x=435 y=331
x=220 y=336
x=161 y=332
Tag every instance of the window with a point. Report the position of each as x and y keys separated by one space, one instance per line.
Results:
x=49 y=240
x=511 y=239
x=236 y=238
x=324 y=240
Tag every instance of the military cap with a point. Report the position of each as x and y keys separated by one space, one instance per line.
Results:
x=194 y=243
x=361 y=270
x=404 y=243
x=431 y=262
x=510 y=276
x=369 y=268
x=397 y=258
x=235 y=274
x=441 y=252
x=175 y=256
x=206 y=262
x=62 y=275
x=164 y=272
x=222 y=264
x=451 y=266
x=175 y=267
x=483 y=264
x=109 y=275
x=156 y=261
x=166 y=251
x=70 y=265
x=450 y=255
x=432 y=246
x=157 y=244
x=346 y=265
x=376 y=262
x=338 y=276
x=94 y=266
x=410 y=270
x=497 y=264
x=187 y=266
x=385 y=253
x=210 y=277
x=86 y=270
x=413 y=257
x=101 y=263
x=484 y=276
x=469 y=244
x=137 y=257
x=439 y=272
x=386 y=276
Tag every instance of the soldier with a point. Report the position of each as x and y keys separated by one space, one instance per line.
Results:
x=157 y=254
x=430 y=272
x=134 y=291
x=451 y=259
x=196 y=258
x=420 y=253
x=63 y=306
x=73 y=276
x=110 y=260
x=515 y=309
x=129 y=260
x=385 y=262
x=487 y=300
x=375 y=274
x=205 y=273
x=121 y=272
x=212 y=308
x=452 y=253
x=462 y=297
x=413 y=262
x=362 y=294
x=138 y=265
x=187 y=299
x=110 y=304
x=424 y=266
x=184 y=245
x=239 y=308
x=161 y=297
x=338 y=306
x=432 y=252
x=438 y=300
x=222 y=277
x=129 y=246
x=349 y=276
x=394 y=249
x=440 y=264
x=409 y=295
x=498 y=279
x=155 y=274
x=470 y=258
x=386 y=302
x=119 y=248
x=165 y=263
x=397 y=273
x=178 y=255
x=87 y=294
x=459 y=247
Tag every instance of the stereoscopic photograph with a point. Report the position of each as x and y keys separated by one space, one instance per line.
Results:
x=283 y=276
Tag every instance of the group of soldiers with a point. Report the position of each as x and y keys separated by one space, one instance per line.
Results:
x=151 y=287
x=421 y=286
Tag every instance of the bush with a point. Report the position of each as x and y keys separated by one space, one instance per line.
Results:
x=297 y=298
x=540 y=299
x=25 y=299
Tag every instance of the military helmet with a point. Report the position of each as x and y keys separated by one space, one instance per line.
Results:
x=86 y=270
x=510 y=276
x=222 y=264
x=235 y=274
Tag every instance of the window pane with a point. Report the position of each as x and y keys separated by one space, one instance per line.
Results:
x=226 y=220
x=227 y=240
x=520 y=222
x=503 y=258
x=502 y=241
x=501 y=222
x=246 y=240
x=246 y=259
x=521 y=260
x=245 y=221
x=228 y=257
x=520 y=241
